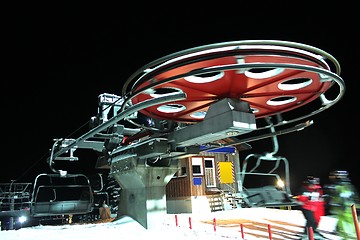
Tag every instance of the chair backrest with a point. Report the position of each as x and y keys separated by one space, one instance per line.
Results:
x=58 y=195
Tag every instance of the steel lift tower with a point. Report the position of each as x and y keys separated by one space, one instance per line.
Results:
x=214 y=95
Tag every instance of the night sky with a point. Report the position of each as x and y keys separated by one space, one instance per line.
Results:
x=57 y=63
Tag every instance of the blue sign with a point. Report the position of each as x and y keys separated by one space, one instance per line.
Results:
x=197 y=181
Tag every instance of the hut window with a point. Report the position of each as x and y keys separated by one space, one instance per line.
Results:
x=197 y=165
x=182 y=170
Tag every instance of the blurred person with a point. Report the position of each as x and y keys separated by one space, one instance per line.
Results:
x=104 y=211
x=342 y=194
x=312 y=204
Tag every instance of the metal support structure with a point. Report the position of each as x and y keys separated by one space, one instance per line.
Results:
x=219 y=94
x=143 y=169
x=143 y=194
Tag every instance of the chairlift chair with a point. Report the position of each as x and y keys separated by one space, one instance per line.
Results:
x=268 y=195
x=55 y=194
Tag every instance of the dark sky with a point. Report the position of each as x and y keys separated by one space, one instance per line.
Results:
x=57 y=63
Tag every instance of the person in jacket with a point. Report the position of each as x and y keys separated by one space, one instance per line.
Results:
x=342 y=195
x=312 y=204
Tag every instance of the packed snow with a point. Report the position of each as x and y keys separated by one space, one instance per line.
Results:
x=246 y=223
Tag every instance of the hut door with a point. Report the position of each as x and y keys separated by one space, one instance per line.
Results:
x=210 y=172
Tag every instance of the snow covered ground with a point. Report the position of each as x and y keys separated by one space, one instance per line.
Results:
x=246 y=223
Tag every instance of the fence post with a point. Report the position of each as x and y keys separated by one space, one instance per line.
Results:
x=242 y=230
x=269 y=230
x=356 y=221
x=310 y=233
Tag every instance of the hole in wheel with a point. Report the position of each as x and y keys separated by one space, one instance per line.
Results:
x=261 y=73
x=205 y=78
x=281 y=100
x=294 y=84
x=171 y=108
x=160 y=92
x=198 y=115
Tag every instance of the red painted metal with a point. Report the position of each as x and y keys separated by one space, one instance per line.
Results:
x=236 y=84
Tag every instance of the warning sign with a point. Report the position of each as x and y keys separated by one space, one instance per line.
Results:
x=226 y=172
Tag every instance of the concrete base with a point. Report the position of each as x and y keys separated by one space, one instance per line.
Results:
x=143 y=190
x=146 y=205
x=192 y=204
